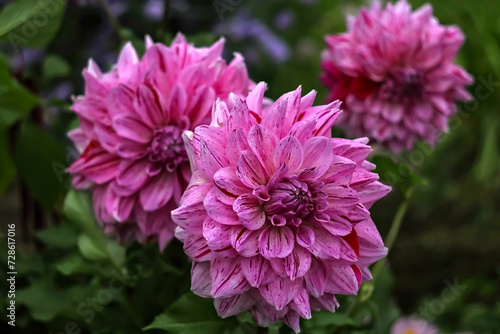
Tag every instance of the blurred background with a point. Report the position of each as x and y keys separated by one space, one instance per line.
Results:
x=444 y=266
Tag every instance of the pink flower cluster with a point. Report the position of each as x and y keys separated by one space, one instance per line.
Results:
x=394 y=71
x=276 y=215
x=131 y=122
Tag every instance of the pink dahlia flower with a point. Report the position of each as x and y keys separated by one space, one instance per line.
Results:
x=276 y=215
x=131 y=122
x=394 y=70
x=413 y=325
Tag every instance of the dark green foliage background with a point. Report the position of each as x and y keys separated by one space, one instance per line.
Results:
x=450 y=234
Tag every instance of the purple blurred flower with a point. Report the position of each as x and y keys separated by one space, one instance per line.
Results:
x=153 y=10
x=243 y=26
x=285 y=19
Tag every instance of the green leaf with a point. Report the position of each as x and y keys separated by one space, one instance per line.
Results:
x=42 y=300
x=37 y=152
x=15 y=101
x=31 y=23
x=115 y=252
x=55 y=67
x=93 y=244
x=398 y=174
x=192 y=314
x=62 y=236
x=488 y=162
x=78 y=209
x=91 y=249
x=7 y=168
x=45 y=301
x=326 y=319
x=71 y=264
x=75 y=263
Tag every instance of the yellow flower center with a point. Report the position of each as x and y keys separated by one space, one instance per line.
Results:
x=409 y=331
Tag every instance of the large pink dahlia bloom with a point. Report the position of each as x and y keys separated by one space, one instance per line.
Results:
x=413 y=325
x=394 y=70
x=276 y=215
x=132 y=119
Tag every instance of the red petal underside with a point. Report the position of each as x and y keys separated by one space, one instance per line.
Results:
x=363 y=87
x=352 y=240
x=93 y=144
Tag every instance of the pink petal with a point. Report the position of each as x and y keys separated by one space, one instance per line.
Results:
x=305 y=236
x=371 y=193
x=341 y=196
x=157 y=192
x=200 y=105
x=227 y=278
x=326 y=118
x=228 y=186
x=236 y=143
x=191 y=214
x=303 y=130
x=280 y=292
x=227 y=307
x=367 y=231
x=326 y=302
x=133 y=129
x=289 y=152
x=249 y=211
x=219 y=211
x=133 y=174
x=148 y=106
x=340 y=171
x=245 y=242
x=196 y=248
x=257 y=270
x=337 y=225
x=255 y=98
x=276 y=242
x=318 y=154
x=126 y=61
x=341 y=279
x=273 y=118
x=106 y=137
x=294 y=265
x=301 y=304
x=177 y=102
x=249 y=170
x=292 y=320
x=130 y=149
x=315 y=279
x=121 y=207
x=218 y=236
x=201 y=283
x=326 y=246
x=211 y=159
x=260 y=140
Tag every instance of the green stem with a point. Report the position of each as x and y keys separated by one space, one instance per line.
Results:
x=164 y=25
x=365 y=294
x=394 y=231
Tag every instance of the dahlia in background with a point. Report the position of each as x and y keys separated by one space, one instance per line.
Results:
x=276 y=215
x=131 y=121
x=413 y=325
x=394 y=71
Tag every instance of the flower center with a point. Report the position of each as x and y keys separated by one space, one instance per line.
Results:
x=403 y=85
x=291 y=201
x=409 y=331
x=167 y=147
